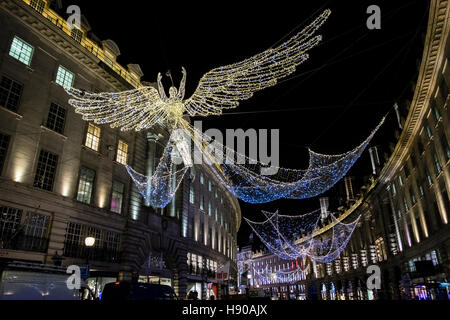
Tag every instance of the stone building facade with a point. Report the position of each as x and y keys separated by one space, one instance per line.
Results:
x=63 y=179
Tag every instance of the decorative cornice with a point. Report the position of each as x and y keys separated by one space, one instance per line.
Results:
x=432 y=61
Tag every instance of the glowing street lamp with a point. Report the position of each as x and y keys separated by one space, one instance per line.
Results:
x=89 y=241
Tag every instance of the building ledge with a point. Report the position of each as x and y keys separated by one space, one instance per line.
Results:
x=44 y=128
x=15 y=114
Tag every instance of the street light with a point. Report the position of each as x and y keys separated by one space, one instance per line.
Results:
x=89 y=242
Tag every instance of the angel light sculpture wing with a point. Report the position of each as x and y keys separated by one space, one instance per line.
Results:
x=218 y=89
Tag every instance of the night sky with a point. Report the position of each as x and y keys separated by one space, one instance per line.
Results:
x=330 y=104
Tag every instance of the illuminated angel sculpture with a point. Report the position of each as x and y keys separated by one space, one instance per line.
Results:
x=221 y=88
x=218 y=89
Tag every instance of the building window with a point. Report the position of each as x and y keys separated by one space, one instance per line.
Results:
x=85 y=185
x=422 y=193
x=405 y=204
x=202 y=200
x=209 y=185
x=445 y=147
x=191 y=194
x=56 y=118
x=9 y=222
x=400 y=180
x=122 y=151
x=76 y=34
x=10 y=92
x=36 y=230
x=202 y=178
x=413 y=197
x=394 y=189
x=117 y=197
x=93 y=137
x=437 y=164
x=428 y=130
x=4 y=144
x=216 y=214
x=406 y=169
x=64 y=77
x=436 y=113
x=21 y=51
x=209 y=209
x=427 y=173
x=46 y=170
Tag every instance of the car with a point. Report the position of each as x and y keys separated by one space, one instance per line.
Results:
x=125 y=290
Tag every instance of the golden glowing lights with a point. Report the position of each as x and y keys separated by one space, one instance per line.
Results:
x=218 y=89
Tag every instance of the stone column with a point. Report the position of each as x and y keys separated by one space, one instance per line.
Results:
x=150 y=160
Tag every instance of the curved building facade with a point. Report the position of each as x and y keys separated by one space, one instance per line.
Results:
x=404 y=229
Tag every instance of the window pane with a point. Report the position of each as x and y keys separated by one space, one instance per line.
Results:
x=93 y=137
x=191 y=194
x=4 y=143
x=21 y=51
x=85 y=185
x=9 y=222
x=117 y=197
x=56 y=118
x=122 y=152
x=46 y=170
x=10 y=92
x=64 y=77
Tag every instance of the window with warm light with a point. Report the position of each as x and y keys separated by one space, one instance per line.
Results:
x=122 y=152
x=117 y=197
x=38 y=5
x=21 y=51
x=93 y=137
x=64 y=77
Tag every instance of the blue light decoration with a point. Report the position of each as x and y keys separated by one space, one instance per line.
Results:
x=160 y=188
x=294 y=237
x=245 y=181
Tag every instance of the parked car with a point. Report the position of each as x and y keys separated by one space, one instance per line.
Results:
x=31 y=281
x=126 y=290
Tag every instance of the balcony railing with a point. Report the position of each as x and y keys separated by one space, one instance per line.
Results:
x=95 y=254
x=24 y=243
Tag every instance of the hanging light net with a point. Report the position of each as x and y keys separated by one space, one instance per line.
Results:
x=160 y=188
x=293 y=237
x=245 y=178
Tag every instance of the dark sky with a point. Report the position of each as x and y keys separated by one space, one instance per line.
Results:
x=331 y=103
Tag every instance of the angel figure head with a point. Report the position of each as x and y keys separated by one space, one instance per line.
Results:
x=175 y=95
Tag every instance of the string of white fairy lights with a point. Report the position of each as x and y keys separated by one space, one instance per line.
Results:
x=281 y=276
x=280 y=235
